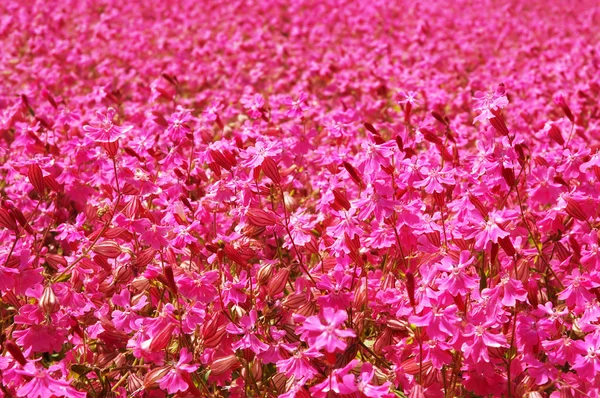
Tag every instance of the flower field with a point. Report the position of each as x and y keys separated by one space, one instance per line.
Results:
x=299 y=199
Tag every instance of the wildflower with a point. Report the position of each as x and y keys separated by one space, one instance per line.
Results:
x=104 y=130
x=247 y=328
x=175 y=380
x=326 y=334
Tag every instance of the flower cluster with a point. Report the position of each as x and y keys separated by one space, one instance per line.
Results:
x=299 y=199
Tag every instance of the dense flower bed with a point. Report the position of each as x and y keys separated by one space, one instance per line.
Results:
x=299 y=199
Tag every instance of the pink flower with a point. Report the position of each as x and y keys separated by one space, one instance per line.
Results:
x=588 y=364
x=256 y=154
x=485 y=103
x=247 y=328
x=175 y=379
x=43 y=385
x=476 y=348
x=298 y=365
x=327 y=334
x=457 y=280
x=254 y=104
x=104 y=129
x=297 y=107
x=126 y=319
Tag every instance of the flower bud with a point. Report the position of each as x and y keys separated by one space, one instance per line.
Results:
x=574 y=210
x=8 y=221
x=340 y=199
x=264 y=274
x=277 y=284
x=507 y=245
x=162 y=338
x=295 y=300
x=15 y=351
x=410 y=287
x=353 y=173
x=269 y=167
x=289 y=202
x=111 y=148
x=18 y=215
x=134 y=383
x=152 y=377
x=555 y=134
x=498 y=122
x=36 y=178
x=360 y=297
x=384 y=339
x=308 y=309
x=509 y=176
x=261 y=218
x=220 y=159
x=560 y=101
x=170 y=279
x=123 y=274
x=48 y=302
x=107 y=248
x=224 y=364
x=144 y=257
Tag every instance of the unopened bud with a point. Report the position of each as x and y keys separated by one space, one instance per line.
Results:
x=152 y=377
x=224 y=364
x=261 y=218
x=15 y=351
x=340 y=199
x=574 y=210
x=269 y=167
x=162 y=339
x=353 y=173
x=170 y=279
x=8 y=221
x=264 y=274
x=107 y=248
x=48 y=302
x=277 y=284
x=560 y=101
x=555 y=134
x=111 y=148
x=410 y=287
x=36 y=178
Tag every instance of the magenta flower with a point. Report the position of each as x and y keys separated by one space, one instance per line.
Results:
x=104 y=129
x=247 y=328
x=457 y=280
x=175 y=380
x=476 y=348
x=297 y=107
x=326 y=334
x=587 y=364
x=256 y=154
x=42 y=385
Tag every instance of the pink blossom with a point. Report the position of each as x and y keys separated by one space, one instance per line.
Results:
x=326 y=334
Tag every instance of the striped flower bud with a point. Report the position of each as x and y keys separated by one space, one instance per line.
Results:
x=340 y=199
x=8 y=221
x=555 y=134
x=15 y=351
x=560 y=101
x=575 y=210
x=261 y=218
x=277 y=284
x=36 y=177
x=162 y=339
x=224 y=364
x=48 y=302
x=107 y=248
x=269 y=167
x=55 y=261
